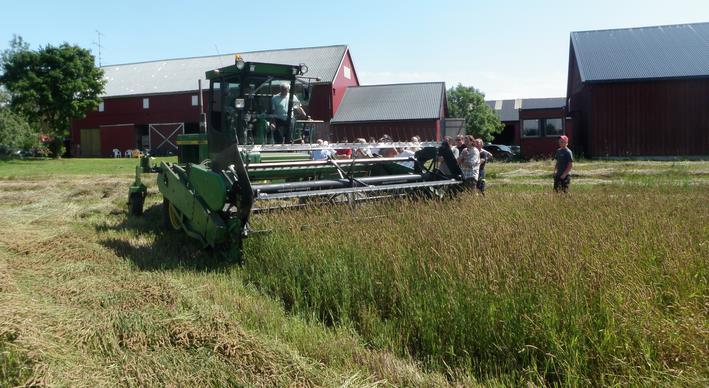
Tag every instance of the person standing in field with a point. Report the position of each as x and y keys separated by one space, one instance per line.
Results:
x=449 y=147
x=469 y=161
x=564 y=161
x=484 y=157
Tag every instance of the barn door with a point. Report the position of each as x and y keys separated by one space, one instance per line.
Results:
x=163 y=137
x=90 y=142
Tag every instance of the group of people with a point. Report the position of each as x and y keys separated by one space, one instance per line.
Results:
x=364 y=149
x=470 y=157
x=463 y=155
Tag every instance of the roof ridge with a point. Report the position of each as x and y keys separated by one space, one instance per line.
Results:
x=398 y=84
x=639 y=27
x=223 y=55
x=526 y=98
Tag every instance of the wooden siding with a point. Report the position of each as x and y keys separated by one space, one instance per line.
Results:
x=540 y=146
x=341 y=83
x=654 y=118
x=427 y=130
x=639 y=118
x=169 y=108
x=320 y=103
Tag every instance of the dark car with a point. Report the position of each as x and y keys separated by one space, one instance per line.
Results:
x=500 y=151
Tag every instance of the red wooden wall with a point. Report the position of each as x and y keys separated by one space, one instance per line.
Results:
x=542 y=146
x=427 y=130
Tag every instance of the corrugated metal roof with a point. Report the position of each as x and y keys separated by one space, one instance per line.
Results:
x=676 y=51
x=543 y=103
x=179 y=75
x=414 y=101
x=509 y=109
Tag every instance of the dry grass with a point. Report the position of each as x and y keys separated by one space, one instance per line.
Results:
x=92 y=298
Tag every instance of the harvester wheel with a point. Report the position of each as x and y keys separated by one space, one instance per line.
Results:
x=172 y=219
x=135 y=203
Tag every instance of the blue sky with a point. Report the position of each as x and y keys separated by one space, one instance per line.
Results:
x=508 y=49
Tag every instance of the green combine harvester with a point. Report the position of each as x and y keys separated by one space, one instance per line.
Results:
x=229 y=170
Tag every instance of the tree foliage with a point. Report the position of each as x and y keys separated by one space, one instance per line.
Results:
x=15 y=132
x=469 y=103
x=51 y=86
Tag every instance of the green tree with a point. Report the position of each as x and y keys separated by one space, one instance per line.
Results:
x=51 y=86
x=15 y=132
x=469 y=103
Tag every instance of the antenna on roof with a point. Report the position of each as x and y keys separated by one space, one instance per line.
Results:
x=98 y=44
x=219 y=55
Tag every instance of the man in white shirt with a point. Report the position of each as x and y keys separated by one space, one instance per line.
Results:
x=279 y=109
x=469 y=161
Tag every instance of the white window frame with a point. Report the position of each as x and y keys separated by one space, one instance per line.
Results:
x=195 y=100
x=101 y=106
x=348 y=72
x=146 y=103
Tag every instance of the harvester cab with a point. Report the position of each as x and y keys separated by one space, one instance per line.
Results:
x=233 y=169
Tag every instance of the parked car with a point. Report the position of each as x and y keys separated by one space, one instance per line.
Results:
x=500 y=151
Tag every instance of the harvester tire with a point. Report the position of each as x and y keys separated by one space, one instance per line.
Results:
x=171 y=217
x=135 y=203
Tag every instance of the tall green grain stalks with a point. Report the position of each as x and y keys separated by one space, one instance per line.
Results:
x=606 y=285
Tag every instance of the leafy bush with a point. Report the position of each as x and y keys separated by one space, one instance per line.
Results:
x=15 y=133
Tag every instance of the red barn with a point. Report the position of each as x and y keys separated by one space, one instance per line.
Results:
x=640 y=91
x=399 y=110
x=147 y=104
x=534 y=124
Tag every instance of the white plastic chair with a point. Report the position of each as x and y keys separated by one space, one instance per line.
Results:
x=129 y=153
x=116 y=153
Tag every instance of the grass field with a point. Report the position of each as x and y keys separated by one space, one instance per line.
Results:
x=607 y=285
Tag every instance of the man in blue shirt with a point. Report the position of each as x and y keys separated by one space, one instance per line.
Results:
x=279 y=109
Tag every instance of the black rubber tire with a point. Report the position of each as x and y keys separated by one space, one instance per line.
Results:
x=167 y=222
x=135 y=204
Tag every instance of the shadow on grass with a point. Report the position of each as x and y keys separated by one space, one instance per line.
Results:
x=169 y=250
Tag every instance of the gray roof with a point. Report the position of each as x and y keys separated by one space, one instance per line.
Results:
x=508 y=110
x=179 y=75
x=504 y=109
x=543 y=103
x=414 y=101
x=661 y=52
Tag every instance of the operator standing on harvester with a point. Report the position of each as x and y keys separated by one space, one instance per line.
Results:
x=279 y=106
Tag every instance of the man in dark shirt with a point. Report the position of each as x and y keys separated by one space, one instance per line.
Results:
x=564 y=162
x=460 y=143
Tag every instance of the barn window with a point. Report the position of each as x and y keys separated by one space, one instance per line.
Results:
x=195 y=100
x=348 y=72
x=530 y=128
x=553 y=127
x=146 y=103
x=101 y=107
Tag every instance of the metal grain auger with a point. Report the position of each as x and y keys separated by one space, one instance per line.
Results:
x=226 y=170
